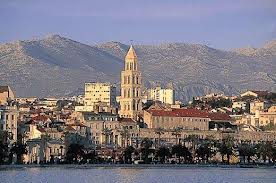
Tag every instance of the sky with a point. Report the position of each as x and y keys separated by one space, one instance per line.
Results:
x=224 y=24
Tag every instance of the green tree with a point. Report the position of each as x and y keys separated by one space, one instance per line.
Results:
x=226 y=148
x=246 y=150
x=128 y=154
x=177 y=132
x=159 y=132
x=107 y=132
x=19 y=149
x=146 y=150
x=75 y=153
x=162 y=153
x=3 y=146
x=125 y=135
x=181 y=151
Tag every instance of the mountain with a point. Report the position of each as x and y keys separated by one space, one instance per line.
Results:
x=58 y=66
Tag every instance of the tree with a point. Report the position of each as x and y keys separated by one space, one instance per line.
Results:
x=246 y=150
x=265 y=151
x=159 y=132
x=145 y=149
x=162 y=153
x=75 y=153
x=226 y=148
x=107 y=132
x=127 y=154
x=177 y=132
x=125 y=135
x=3 y=146
x=19 y=149
x=204 y=150
x=181 y=151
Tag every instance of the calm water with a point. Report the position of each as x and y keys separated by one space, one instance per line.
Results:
x=125 y=175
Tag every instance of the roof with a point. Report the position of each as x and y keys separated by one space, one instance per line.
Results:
x=4 y=89
x=260 y=93
x=194 y=113
x=131 y=53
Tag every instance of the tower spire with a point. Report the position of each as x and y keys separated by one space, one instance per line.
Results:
x=131 y=53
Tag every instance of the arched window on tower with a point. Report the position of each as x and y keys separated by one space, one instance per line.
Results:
x=137 y=93
x=125 y=91
x=128 y=93
x=128 y=80
x=133 y=79
x=130 y=67
x=133 y=105
x=137 y=79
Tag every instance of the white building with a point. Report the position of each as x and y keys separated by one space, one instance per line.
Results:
x=164 y=95
x=96 y=93
x=239 y=104
x=8 y=121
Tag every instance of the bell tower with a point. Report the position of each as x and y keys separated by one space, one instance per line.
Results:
x=130 y=101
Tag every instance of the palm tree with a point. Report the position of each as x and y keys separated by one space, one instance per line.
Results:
x=107 y=132
x=19 y=149
x=226 y=148
x=159 y=132
x=145 y=149
x=204 y=151
x=265 y=150
x=162 y=153
x=3 y=146
x=125 y=135
x=127 y=154
x=45 y=139
x=177 y=132
x=181 y=151
x=246 y=150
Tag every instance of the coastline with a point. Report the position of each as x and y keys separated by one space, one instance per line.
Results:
x=135 y=166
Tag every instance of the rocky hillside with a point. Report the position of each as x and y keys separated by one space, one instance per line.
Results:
x=57 y=66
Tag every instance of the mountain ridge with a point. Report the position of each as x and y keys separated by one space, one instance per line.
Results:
x=58 y=66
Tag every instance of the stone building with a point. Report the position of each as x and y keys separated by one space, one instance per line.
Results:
x=163 y=95
x=6 y=94
x=130 y=100
x=8 y=121
x=188 y=119
x=96 y=93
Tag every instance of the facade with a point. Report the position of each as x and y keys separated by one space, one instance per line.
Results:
x=8 y=121
x=239 y=104
x=258 y=105
x=96 y=93
x=130 y=100
x=266 y=117
x=188 y=119
x=6 y=94
x=163 y=95
x=254 y=93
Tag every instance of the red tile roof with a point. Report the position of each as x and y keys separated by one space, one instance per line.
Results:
x=190 y=113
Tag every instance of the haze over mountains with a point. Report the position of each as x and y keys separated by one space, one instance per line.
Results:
x=57 y=66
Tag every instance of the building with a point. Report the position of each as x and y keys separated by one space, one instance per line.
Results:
x=256 y=94
x=264 y=118
x=188 y=119
x=130 y=100
x=6 y=94
x=96 y=93
x=258 y=105
x=239 y=104
x=8 y=121
x=163 y=95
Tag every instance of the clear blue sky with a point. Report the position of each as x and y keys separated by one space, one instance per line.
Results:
x=218 y=23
